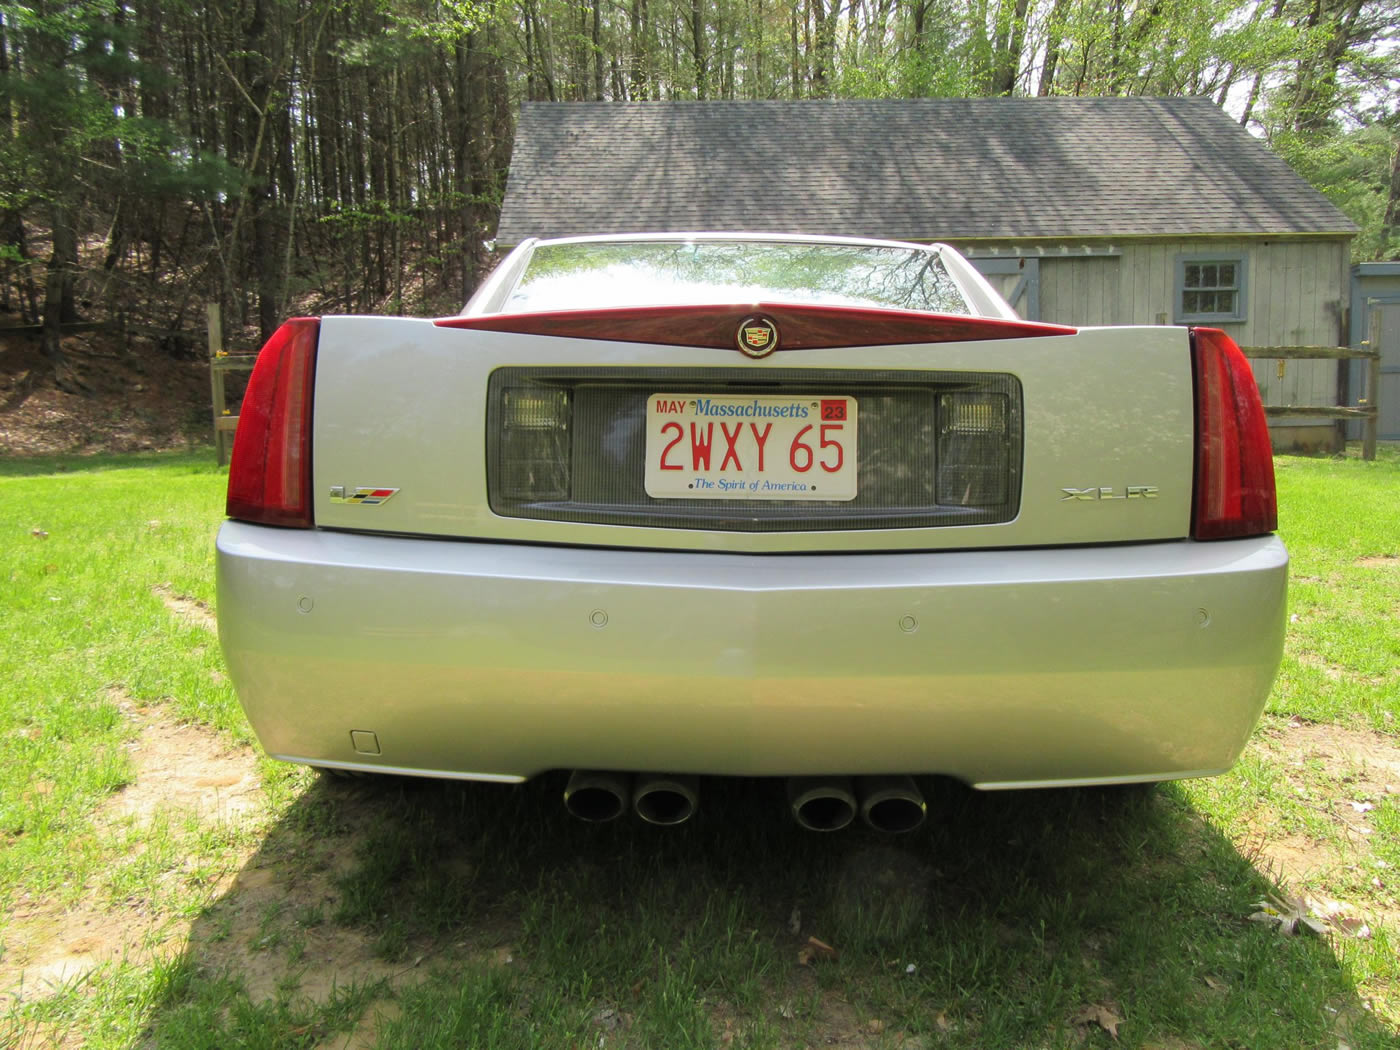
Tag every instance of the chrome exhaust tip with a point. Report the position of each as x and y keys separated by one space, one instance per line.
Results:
x=666 y=799
x=892 y=804
x=596 y=796
x=821 y=803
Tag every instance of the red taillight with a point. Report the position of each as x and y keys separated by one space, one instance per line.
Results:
x=269 y=474
x=800 y=327
x=1234 y=493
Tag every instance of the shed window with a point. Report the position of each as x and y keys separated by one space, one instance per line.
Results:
x=1210 y=288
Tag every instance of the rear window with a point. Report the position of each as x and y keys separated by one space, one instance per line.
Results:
x=596 y=275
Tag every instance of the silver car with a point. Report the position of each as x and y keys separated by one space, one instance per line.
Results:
x=653 y=508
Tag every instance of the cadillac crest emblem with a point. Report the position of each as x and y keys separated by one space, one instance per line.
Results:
x=757 y=336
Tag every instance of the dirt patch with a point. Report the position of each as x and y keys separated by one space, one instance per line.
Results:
x=1369 y=763
x=176 y=767
x=1358 y=769
x=139 y=397
x=47 y=949
x=1380 y=561
x=191 y=610
x=834 y=1022
x=1292 y=858
x=267 y=922
x=184 y=767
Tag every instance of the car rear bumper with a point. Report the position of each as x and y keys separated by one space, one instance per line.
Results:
x=1015 y=668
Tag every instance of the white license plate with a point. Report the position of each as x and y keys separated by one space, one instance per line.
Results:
x=707 y=446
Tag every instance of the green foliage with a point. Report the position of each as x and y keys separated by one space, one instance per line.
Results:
x=1353 y=169
x=389 y=121
x=445 y=22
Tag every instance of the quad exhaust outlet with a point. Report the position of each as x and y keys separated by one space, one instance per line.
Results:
x=890 y=804
x=597 y=796
x=665 y=799
x=822 y=803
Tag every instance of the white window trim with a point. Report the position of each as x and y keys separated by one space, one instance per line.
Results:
x=1240 y=313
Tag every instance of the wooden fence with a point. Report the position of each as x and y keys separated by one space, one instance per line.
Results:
x=1367 y=408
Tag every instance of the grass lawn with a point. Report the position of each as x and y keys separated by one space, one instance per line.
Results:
x=162 y=885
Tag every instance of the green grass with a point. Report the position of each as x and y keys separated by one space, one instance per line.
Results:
x=82 y=555
x=482 y=916
x=1344 y=590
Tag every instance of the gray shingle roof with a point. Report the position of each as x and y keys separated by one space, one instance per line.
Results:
x=920 y=169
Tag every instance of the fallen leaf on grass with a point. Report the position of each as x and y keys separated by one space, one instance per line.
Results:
x=875 y=1026
x=1289 y=916
x=39 y=534
x=816 y=951
x=1326 y=908
x=1353 y=926
x=1099 y=1014
x=1309 y=915
x=1215 y=984
x=607 y=1018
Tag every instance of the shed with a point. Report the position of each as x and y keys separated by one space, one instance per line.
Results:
x=1375 y=317
x=1082 y=210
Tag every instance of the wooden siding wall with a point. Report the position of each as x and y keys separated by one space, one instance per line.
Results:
x=1088 y=289
x=1296 y=294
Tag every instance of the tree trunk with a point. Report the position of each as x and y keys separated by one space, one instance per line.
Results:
x=12 y=233
x=796 y=68
x=825 y=19
x=1008 y=57
x=59 y=307
x=697 y=37
x=1315 y=91
x=1054 y=40
x=598 y=50
x=1390 y=225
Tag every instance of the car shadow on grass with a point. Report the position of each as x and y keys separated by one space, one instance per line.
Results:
x=402 y=913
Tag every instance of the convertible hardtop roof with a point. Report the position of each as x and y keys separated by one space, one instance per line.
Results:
x=721 y=236
x=981 y=299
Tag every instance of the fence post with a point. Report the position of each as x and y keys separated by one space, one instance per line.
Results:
x=216 y=374
x=1373 y=387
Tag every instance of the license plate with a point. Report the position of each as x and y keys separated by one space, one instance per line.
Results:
x=706 y=446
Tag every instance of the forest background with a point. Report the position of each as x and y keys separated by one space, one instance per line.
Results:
x=281 y=156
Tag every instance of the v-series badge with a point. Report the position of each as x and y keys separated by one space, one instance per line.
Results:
x=1108 y=492
x=363 y=496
